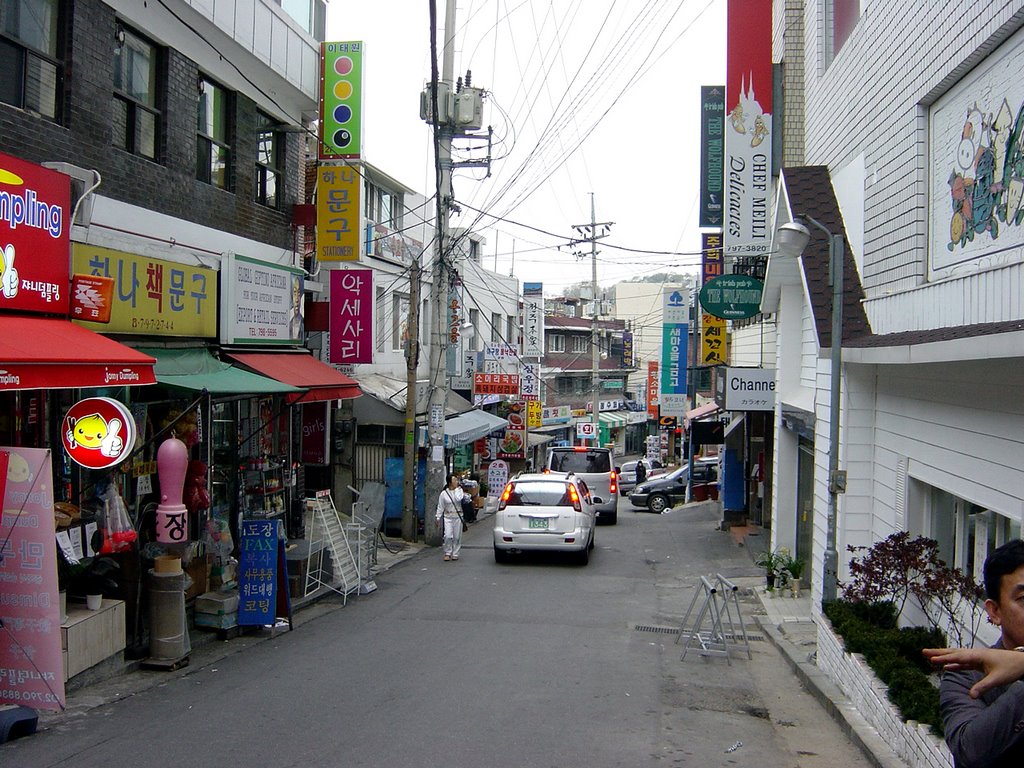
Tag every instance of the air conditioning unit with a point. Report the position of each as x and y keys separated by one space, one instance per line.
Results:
x=444 y=104
x=82 y=181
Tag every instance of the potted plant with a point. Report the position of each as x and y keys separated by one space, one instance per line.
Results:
x=794 y=567
x=771 y=562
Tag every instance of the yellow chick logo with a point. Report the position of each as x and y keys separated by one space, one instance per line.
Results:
x=93 y=432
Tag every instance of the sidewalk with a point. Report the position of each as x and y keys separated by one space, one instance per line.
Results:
x=788 y=624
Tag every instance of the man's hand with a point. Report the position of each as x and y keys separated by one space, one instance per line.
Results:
x=1001 y=667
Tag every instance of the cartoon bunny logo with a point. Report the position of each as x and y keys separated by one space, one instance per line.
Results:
x=8 y=274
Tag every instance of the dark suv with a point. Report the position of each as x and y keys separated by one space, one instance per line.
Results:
x=594 y=465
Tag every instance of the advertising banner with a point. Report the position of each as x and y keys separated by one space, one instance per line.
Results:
x=341 y=99
x=31 y=662
x=150 y=296
x=748 y=128
x=713 y=332
x=712 y=153
x=674 y=359
x=495 y=384
x=533 y=319
x=351 y=312
x=653 y=380
x=262 y=302
x=338 y=195
x=513 y=444
x=35 y=205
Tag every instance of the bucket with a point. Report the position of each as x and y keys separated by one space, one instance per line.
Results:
x=167 y=564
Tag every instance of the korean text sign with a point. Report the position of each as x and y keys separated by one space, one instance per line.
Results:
x=257 y=583
x=674 y=359
x=31 y=664
x=337 y=213
x=351 y=322
x=35 y=205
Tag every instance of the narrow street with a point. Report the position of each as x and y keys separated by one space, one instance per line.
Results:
x=536 y=663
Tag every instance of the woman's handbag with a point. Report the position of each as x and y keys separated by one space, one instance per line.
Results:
x=465 y=526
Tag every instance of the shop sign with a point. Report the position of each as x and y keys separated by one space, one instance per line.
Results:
x=262 y=302
x=258 y=571
x=530 y=383
x=341 y=99
x=556 y=414
x=455 y=314
x=315 y=432
x=745 y=389
x=495 y=384
x=34 y=236
x=627 y=349
x=91 y=297
x=732 y=297
x=497 y=477
x=30 y=655
x=652 y=389
x=337 y=213
x=98 y=432
x=533 y=319
x=512 y=445
x=586 y=430
x=149 y=296
x=351 y=324
x=713 y=338
x=533 y=414
x=464 y=378
x=674 y=358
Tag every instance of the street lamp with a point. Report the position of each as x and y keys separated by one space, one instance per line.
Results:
x=793 y=238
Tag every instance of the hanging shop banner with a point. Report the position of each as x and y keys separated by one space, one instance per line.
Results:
x=150 y=296
x=674 y=359
x=35 y=204
x=262 y=302
x=495 y=384
x=341 y=100
x=315 y=417
x=512 y=445
x=712 y=151
x=351 y=323
x=534 y=412
x=748 y=128
x=98 y=432
x=713 y=331
x=455 y=315
x=652 y=389
x=529 y=385
x=732 y=297
x=533 y=319
x=627 y=349
x=337 y=213
x=31 y=662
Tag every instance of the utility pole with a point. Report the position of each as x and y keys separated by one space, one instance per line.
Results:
x=592 y=234
x=412 y=357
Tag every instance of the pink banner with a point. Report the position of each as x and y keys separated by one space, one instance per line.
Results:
x=351 y=323
x=31 y=666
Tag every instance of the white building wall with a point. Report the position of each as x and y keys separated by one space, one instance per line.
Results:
x=753 y=345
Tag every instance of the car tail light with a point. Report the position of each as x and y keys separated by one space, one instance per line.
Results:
x=614 y=486
x=504 y=495
x=574 y=497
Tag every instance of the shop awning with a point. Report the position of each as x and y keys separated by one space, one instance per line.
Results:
x=301 y=369
x=613 y=418
x=391 y=391
x=533 y=439
x=52 y=353
x=701 y=411
x=736 y=421
x=470 y=426
x=195 y=368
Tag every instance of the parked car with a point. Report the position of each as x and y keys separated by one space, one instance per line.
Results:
x=545 y=512
x=665 y=491
x=594 y=466
x=627 y=473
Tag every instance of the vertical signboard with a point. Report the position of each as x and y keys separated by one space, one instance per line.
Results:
x=262 y=589
x=261 y=302
x=529 y=385
x=627 y=349
x=351 y=323
x=675 y=332
x=653 y=401
x=712 y=153
x=533 y=319
x=713 y=338
x=341 y=100
x=455 y=315
x=31 y=664
x=35 y=205
x=337 y=213
x=748 y=128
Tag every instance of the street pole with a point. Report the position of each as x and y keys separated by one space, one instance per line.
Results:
x=439 y=293
x=412 y=356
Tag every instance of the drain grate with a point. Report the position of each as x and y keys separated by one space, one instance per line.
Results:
x=751 y=636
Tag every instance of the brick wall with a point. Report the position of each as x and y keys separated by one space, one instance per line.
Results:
x=913 y=742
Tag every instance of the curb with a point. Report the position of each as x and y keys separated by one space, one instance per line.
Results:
x=834 y=701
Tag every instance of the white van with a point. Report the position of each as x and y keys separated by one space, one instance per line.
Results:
x=595 y=466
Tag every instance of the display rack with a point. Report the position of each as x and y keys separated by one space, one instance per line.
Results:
x=264 y=492
x=326 y=532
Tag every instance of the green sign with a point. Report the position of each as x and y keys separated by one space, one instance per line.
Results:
x=341 y=100
x=732 y=297
x=611 y=383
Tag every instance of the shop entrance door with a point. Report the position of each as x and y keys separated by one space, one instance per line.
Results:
x=805 y=501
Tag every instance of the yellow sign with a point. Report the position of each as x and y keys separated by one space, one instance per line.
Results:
x=533 y=413
x=337 y=213
x=151 y=296
x=713 y=340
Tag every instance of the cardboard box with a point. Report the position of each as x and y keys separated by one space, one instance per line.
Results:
x=217 y=603
x=217 y=621
x=198 y=570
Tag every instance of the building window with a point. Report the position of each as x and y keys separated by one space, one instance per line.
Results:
x=556 y=342
x=512 y=333
x=966 y=532
x=269 y=161
x=382 y=314
x=30 y=71
x=383 y=206
x=564 y=384
x=580 y=343
x=400 y=321
x=213 y=145
x=135 y=120
x=841 y=16
x=496 y=327
x=474 y=331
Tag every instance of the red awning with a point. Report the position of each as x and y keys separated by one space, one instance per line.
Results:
x=301 y=370
x=51 y=353
x=701 y=411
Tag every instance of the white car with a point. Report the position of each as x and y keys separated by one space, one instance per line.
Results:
x=545 y=512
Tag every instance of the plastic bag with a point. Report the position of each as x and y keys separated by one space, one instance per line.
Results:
x=116 y=527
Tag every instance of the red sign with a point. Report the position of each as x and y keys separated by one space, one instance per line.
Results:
x=495 y=384
x=34 y=237
x=351 y=323
x=652 y=389
x=30 y=654
x=314 y=432
x=91 y=298
x=98 y=432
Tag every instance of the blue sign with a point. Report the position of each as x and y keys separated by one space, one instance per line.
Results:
x=257 y=583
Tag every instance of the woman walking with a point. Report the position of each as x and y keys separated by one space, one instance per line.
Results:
x=449 y=504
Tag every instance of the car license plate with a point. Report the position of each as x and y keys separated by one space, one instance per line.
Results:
x=538 y=523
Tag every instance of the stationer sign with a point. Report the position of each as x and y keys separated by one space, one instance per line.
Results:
x=732 y=297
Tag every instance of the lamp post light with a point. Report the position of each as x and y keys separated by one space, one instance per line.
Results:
x=793 y=238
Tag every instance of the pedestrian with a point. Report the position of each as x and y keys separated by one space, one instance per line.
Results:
x=641 y=471
x=982 y=691
x=449 y=506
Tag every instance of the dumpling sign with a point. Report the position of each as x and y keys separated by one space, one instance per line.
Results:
x=732 y=297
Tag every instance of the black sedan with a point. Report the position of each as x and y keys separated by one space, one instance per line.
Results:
x=665 y=491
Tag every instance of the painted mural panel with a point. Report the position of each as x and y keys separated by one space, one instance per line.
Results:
x=977 y=166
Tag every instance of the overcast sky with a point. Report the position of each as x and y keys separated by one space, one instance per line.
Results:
x=585 y=96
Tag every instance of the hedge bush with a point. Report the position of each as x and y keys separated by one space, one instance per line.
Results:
x=893 y=654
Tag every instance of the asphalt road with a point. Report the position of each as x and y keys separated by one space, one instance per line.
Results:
x=538 y=663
